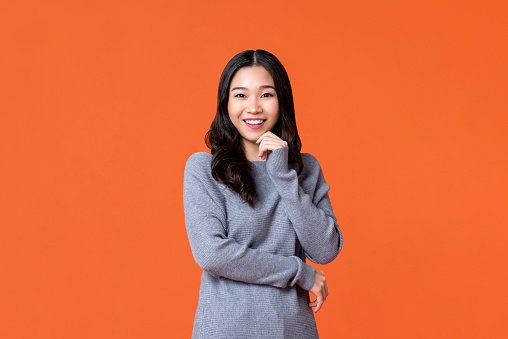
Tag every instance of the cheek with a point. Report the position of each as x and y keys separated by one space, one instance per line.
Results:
x=230 y=110
x=274 y=109
x=233 y=109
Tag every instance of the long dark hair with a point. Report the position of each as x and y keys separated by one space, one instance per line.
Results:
x=229 y=164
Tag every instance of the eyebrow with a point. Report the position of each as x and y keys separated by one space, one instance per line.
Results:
x=245 y=88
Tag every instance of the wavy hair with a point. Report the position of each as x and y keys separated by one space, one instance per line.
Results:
x=229 y=164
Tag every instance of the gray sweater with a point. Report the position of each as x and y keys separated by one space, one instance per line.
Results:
x=255 y=279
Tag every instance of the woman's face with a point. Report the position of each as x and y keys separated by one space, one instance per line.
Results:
x=253 y=105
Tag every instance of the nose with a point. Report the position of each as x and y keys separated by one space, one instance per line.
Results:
x=253 y=105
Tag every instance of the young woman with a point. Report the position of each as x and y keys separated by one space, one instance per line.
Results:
x=255 y=209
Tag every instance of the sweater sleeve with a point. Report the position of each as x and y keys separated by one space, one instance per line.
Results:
x=222 y=256
x=312 y=216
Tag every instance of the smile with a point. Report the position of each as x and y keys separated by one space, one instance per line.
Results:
x=254 y=123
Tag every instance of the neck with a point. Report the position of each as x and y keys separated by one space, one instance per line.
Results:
x=251 y=150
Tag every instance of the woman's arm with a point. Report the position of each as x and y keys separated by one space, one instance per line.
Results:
x=221 y=256
x=312 y=216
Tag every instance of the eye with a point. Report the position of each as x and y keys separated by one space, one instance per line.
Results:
x=265 y=95
x=240 y=95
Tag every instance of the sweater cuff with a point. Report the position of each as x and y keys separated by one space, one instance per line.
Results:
x=278 y=160
x=305 y=276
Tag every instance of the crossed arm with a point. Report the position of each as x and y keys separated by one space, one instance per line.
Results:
x=222 y=256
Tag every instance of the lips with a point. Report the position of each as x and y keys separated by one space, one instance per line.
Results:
x=254 y=123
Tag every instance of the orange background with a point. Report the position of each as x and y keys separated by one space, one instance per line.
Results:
x=403 y=102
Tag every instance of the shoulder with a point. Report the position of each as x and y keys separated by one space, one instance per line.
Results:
x=198 y=162
x=198 y=179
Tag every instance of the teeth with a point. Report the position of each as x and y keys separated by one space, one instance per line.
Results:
x=254 y=122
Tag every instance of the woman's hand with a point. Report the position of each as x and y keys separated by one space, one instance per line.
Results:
x=319 y=289
x=269 y=142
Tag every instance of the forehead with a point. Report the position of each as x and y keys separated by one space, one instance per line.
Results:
x=254 y=76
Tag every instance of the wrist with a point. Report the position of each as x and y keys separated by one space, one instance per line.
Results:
x=278 y=160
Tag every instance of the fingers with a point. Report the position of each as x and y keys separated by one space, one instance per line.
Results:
x=320 y=290
x=267 y=146
x=264 y=135
x=272 y=137
x=326 y=288
x=318 y=303
x=269 y=142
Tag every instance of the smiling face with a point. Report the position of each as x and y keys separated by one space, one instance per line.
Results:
x=253 y=106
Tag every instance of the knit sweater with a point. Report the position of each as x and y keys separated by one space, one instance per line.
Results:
x=255 y=280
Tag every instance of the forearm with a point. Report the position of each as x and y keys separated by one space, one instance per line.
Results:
x=311 y=216
x=224 y=257
x=318 y=232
